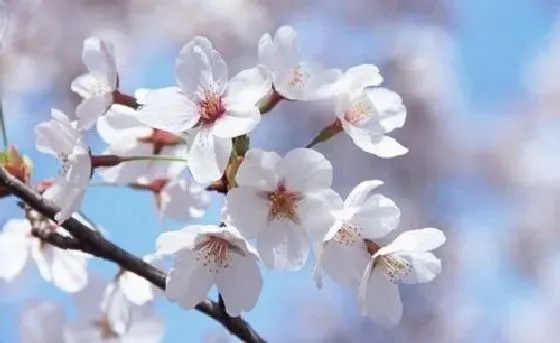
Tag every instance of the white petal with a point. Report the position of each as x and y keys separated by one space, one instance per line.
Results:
x=170 y=242
x=119 y=122
x=249 y=86
x=380 y=298
x=67 y=196
x=57 y=135
x=189 y=281
x=208 y=156
x=283 y=246
x=41 y=321
x=14 y=245
x=151 y=330
x=69 y=270
x=306 y=170
x=374 y=143
x=199 y=65
x=389 y=107
x=415 y=241
x=99 y=57
x=238 y=120
x=376 y=217
x=129 y=171
x=314 y=212
x=92 y=108
x=183 y=200
x=135 y=288
x=285 y=40
x=240 y=284
x=43 y=255
x=345 y=264
x=267 y=52
x=117 y=308
x=259 y=169
x=307 y=81
x=362 y=76
x=87 y=85
x=248 y=212
x=80 y=333
x=361 y=192
x=425 y=267
x=168 y=109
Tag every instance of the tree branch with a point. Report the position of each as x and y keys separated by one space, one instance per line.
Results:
x=92 y=242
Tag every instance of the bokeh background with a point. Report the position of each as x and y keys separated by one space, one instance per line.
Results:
x=481 y=80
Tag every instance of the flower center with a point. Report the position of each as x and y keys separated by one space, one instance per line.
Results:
x=358 y=114
x=283 y=203
x=214 y=252
x=299 y=76
x=66 y=164
x=210 y=107
x=348 y=235
x=395 y=267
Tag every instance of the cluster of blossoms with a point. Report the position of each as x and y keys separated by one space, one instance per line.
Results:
x=285 y=205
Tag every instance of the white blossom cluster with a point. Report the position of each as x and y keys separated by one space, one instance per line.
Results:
x=284 y=205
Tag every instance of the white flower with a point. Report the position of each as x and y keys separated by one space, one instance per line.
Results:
x=136 y=289
x=42 y=321
x=61 y=138
x=294 y=78
x=406 y=260
x=126 y=136
x=115 y=320
x=344 y=252
x=96 y=87
x=183 y=200
x=367 y=113
x=207 y=255
x=283 y=202
x=66 y=269
x=206 y=105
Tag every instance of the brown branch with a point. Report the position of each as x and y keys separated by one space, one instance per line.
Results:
x=94 y=243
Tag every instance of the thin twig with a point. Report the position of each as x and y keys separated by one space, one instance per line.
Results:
x=94 y=243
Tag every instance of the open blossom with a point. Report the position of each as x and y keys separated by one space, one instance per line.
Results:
x=208 y=255
x=367 y=112
x=343 y=253
x=42 y=321
x=66 y=269
x=283 y=202
x=61 y=138
x=294 y=78
x=207 y=107
x=408 y=260
x=111 y=317
x=136 y=289
x=97 y=86
x=126 y=136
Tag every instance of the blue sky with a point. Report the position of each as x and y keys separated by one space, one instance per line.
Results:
x=496 y=40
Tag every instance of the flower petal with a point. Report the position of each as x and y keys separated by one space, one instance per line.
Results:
x=57 y=135
x=425 y=267
x=41 y=321
x=189 y=281
x=360 y=193
x=248 y=212
x=208 y=156
x=119 y=122
x=168 y=109
x=283 y=246
x=374 y=143
x=362 y=76
x=287 y=49
x=92 y=108
x=345 y=264
x=389 y=107
x=183 y=200
x=199 y=65
x=380 y=299
x=259 y=169
x=117 y=308
x=14 y=245
x=43 y=255
x=376 y=217
x=135 y=288
x=99 y=58
x=150 y=330
x=129 y=171
x=249 y=86
x=306 y=170
x=240 y=284
x=69 y=270
x=415 y=241
x=170 y=242
x=237 y=121
x=314 y=212
x=67 y=195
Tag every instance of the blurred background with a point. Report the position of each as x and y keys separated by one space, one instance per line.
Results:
x=481 y=81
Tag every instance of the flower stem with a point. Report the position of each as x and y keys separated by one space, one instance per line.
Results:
x=326 y=134
x=3 y=127
x=113 y=160
x=268 y=102
x=125 y=99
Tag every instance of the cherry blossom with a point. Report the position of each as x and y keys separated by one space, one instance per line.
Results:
x=136 y=289
x=126 y=136
x=61 y=138
x=206 y=107
x=294 y=78
x=66 y=269
x=208 y=255
x=367 y=112
x=408 y=260
x=97 y=86
x=343 y=253
x=283 y=202
x=42 y=321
